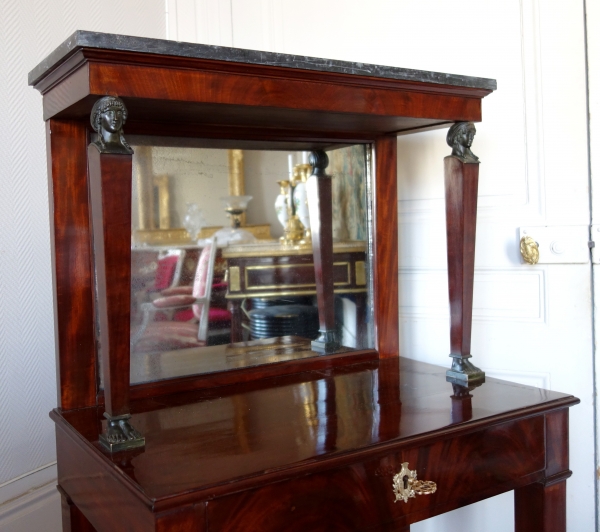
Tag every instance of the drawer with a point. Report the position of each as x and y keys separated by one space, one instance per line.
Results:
x=360 y=496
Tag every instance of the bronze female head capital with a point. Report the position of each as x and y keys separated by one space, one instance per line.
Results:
x=460 y=138
x=107 y=118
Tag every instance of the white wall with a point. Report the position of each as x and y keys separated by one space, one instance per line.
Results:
x=29 y=30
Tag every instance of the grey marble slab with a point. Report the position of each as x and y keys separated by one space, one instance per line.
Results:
x=107 y=41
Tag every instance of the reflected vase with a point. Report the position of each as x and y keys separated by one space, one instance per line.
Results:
x=281 y=203
x=194 y=220
x=301 y=204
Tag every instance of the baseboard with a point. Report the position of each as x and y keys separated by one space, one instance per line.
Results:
x=32 y=480
x=31 y=502
x=36 y=510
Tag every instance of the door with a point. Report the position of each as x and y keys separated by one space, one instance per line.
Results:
x=532 y=324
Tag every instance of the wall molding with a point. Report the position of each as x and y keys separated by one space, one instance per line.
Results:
x=527 y=378
x=39 y=508
x=26 y=483
x=494 y=290
x=525 y=201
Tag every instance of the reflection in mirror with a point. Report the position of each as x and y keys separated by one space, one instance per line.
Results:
x=222 y=262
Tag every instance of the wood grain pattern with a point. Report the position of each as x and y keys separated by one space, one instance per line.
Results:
x=110 y=193
x=308 y=442
x=97 y=491
x=461 y=181
x=360 y=495
x=222 y=82
x=71 y=249
x=81 y=57
x=300 y=425
x=385 y=256
x=540 y=508
x=557 y=442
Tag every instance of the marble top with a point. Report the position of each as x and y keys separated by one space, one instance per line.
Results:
x=107 y=41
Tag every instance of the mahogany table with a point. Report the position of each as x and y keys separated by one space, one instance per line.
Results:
x=277 y=434
x=317 y=451
x=266 y=270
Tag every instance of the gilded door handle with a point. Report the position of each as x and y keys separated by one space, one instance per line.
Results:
x=530 y=250
x=406 y=485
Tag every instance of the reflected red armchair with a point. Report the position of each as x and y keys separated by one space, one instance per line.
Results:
x=190 y=308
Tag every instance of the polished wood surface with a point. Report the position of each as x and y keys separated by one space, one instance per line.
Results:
x=461 y=180
x=343 y=102
x=110 y=193
x=72 y=518
x=73 y=270
x=318 y=437
x=385 y=253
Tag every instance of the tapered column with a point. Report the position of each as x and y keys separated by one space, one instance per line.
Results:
x=110 y=175
x=461 y=172
x=318 y=188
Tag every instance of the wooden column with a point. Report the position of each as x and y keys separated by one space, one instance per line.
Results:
x=318 y=188
x=461 y=179
x=542 y=507
x=110 y=194
x=385 y=252
x=110 y=177
x=73 y=269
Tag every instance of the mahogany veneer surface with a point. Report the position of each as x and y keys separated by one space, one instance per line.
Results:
x=219 y=441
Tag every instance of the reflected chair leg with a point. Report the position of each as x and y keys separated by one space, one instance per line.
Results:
x=541 y=508
x=72 y=518
x=234 y=306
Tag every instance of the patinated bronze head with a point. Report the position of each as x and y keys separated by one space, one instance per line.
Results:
x=460 y=138
x=107 y=118
x=319 y=161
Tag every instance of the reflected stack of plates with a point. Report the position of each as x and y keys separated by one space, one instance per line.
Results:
x=284 y=320
x=264 y=302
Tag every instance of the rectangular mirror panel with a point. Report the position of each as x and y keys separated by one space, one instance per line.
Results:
x=222 y=268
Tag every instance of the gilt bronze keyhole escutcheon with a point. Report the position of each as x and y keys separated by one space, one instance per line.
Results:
x=406 y=486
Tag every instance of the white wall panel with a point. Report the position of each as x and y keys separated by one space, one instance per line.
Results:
x=29 y=30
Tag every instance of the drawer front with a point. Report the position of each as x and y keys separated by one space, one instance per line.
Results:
x=360 y=496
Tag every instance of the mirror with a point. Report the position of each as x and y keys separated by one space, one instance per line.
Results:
x=222 y=265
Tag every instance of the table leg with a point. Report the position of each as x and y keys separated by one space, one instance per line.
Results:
x=235 y=307
x=541 y=508
x=72 y=518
